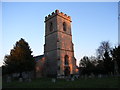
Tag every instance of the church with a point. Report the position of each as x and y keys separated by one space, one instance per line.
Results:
x=58 y=58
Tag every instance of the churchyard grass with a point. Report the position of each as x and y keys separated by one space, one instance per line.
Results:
x=106 y=82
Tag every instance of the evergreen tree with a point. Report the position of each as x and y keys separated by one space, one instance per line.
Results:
x=20 y=58
x=108 y=64
x=87 y=65
x=116 y=57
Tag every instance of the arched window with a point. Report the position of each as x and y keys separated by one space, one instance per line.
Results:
x=51 y=26
x=66 y=60
x=64 y=26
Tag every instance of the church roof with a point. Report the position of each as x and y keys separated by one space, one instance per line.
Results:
x=38 y=57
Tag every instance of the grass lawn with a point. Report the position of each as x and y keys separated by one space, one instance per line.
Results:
x=108 y=82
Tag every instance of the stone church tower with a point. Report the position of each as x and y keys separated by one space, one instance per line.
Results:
x=58 y=47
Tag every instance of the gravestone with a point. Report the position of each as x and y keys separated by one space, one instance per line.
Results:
x=20 y=79
x=99 y=76
x=53 y=80
x=72 y=79
x=8 y=79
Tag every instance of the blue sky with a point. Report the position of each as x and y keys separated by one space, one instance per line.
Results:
x=92 y=22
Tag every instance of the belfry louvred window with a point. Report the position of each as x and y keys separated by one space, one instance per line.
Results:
x=51 y=26
x=66 y=60
x=64 y=26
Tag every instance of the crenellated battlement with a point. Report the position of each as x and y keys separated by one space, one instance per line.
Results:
x=61 y=14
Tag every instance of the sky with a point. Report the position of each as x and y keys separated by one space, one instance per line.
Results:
x=92 y=23
x=119 y=22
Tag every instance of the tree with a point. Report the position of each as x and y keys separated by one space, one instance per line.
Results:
x=108 y=64
x=100 y=68
x=84 y=61
x=87 y=65
x=104 y=47
x=116 y=57
x=20 y=58
x=104 y=53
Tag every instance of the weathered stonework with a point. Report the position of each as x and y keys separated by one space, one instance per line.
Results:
x=39 y=67
x=58 y=48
